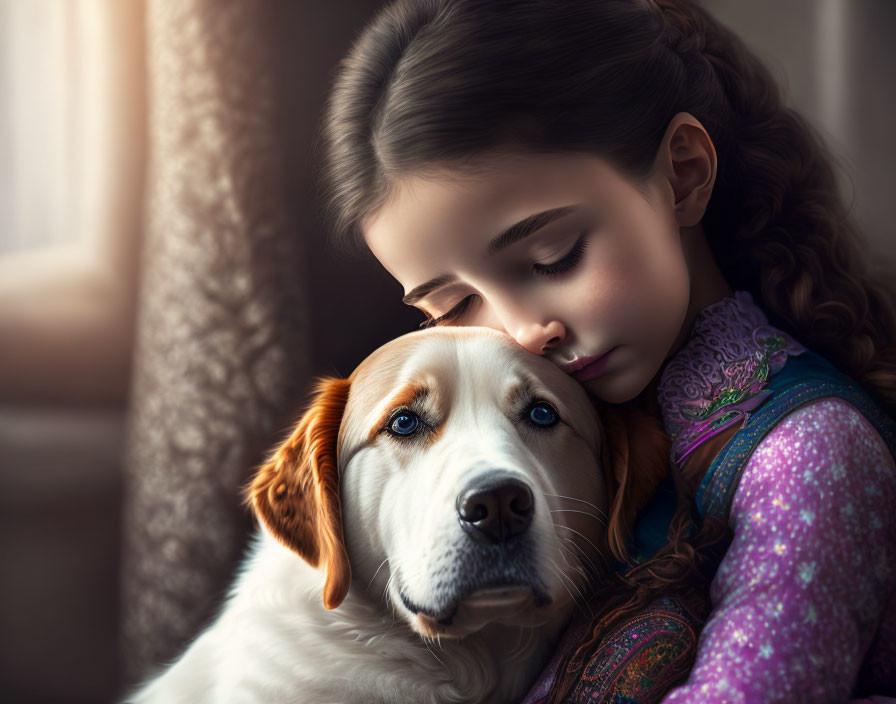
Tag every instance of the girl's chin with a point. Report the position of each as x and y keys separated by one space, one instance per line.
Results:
x=620 y=383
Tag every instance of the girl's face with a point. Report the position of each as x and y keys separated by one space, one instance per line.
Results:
x=563 y=253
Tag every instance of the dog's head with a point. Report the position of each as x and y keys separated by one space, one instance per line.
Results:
x=461 y=474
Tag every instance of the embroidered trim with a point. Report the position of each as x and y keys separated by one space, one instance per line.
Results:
x=731 y=401
x=716 y=491
x=719 y=376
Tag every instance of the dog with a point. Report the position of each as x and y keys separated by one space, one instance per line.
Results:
x=424 y=535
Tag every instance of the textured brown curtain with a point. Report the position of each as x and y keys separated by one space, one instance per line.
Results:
x=221 y=348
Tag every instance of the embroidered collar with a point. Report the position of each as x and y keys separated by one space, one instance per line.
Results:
x=718 y=377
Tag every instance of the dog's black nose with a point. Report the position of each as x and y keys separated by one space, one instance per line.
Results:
x=495 y=512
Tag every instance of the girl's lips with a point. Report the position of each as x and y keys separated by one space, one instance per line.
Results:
x=585 y=368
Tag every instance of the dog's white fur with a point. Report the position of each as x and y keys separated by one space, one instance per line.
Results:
x=275 y=642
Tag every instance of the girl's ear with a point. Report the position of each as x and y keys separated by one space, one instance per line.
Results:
x=688 y=158
x=296 y=492
x=637 y=452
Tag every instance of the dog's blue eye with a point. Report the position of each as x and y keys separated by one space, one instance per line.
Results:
x=543 y=414
x=404 y=423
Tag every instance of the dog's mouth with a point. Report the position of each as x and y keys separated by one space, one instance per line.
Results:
x=502 y=601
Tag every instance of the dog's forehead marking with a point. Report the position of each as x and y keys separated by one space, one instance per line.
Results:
x=430 y=360
x=442 y=367
x=411 y=394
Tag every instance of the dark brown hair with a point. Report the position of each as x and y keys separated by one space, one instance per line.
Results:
x=432 y=82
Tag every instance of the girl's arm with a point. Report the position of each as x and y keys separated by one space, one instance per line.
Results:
x=803 y=586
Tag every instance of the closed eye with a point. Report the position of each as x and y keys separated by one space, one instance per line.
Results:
x=452 y=314
x=567 y=262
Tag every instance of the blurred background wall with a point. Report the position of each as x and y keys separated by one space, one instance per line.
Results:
x=78 y=155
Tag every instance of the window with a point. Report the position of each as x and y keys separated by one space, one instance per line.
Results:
x=72 y=145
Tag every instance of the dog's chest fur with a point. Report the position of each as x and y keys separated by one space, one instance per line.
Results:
x=275 y=643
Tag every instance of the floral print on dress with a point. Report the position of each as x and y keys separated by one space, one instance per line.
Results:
x=803 y=601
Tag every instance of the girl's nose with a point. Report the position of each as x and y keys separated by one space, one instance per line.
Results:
x=539 y=337
x=537 y=331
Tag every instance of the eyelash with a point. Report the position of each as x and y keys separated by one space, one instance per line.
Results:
x=567 y=263
x=450 y=315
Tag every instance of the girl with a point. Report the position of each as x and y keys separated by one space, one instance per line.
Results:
x=617 y=185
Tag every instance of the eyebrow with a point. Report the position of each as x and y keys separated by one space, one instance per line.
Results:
x=406 y=397
x=524 y=391
x=511 y=235
x=519 y=394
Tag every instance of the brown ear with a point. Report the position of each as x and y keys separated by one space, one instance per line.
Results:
x=296 y=492
x=637 y=451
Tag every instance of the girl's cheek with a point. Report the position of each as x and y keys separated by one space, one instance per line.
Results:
x=610 y=285
x=596 y=312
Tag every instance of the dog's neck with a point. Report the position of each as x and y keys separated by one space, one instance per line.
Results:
x=496 y=664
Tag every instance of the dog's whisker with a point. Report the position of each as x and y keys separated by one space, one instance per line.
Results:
x=578 y=567
x=564 y=578
x=582 y=601
x=577 y=598
x=589 y=576
x=582 y=555
x=377 y=572
x=566 y=587
x=600 y=554
x=385 y=597
x=573 y=530
x=572 y=498
x=427 y=641
x=595 y=575
x=597 y=518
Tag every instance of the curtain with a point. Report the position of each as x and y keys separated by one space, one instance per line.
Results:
x=221 y=344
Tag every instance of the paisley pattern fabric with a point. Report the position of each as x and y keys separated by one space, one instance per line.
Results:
x=637 y=662
x=221 y=352
x=642 y=659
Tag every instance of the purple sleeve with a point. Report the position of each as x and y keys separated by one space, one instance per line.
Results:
x=803 y=585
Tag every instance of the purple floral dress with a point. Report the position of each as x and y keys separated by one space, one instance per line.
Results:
x=804 y=600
